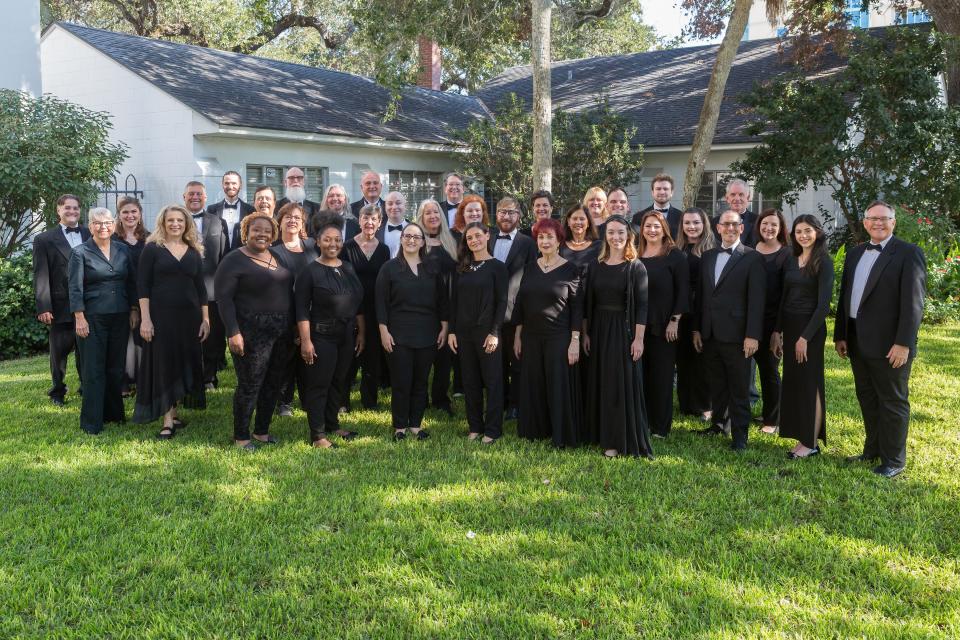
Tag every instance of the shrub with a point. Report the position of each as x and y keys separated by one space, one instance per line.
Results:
x=21 y=334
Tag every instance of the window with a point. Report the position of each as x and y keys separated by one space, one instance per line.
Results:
x=416 y=186
x=315 y=180
x=713 y=186
x=914 y=16
x=856 y=14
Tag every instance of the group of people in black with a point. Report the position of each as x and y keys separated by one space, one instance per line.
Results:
x=579 y=328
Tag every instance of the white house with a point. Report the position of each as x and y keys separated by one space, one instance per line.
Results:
x=20 y=65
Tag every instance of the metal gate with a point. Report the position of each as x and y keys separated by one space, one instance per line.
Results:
x=110 y=193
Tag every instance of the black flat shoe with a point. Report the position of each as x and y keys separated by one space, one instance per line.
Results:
x=349 y=435
x=887 y=471
x=166 y=433
x=248 y=448
x=423 y=434
x=712 y=430
x=399 y=435
x=57 y=402
x=269 y=440
x=812 y=452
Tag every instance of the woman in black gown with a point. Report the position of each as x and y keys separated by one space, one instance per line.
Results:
x=294 y=250
x=412 y=312
x=582 y=245
x=253 y=297
x=328 y=297
x=478 y=306
x=367 y=255
x=549 y=313
x=668 y=281
x=615 y=320
x=174 y=321
x=770 y=236
x=693 y=390
x=130 y=230
x=801 y=329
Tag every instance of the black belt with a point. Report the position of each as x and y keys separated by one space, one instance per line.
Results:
x=610 y=307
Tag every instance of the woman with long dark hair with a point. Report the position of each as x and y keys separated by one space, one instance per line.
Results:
x=130 y=229
x=478 y=307
x=801 y=331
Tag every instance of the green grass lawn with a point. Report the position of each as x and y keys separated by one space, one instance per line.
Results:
x=125 y=536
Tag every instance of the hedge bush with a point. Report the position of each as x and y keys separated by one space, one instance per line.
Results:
x=21 y=334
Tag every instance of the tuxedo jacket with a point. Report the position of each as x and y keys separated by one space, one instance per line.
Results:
x=216 y=243
x=674 y=218
x=356 y=206
x=101 y=286
x=383 y=228
x=444 y=208
x=244 y=210
x=523 y=251
x=891 y=306
x=749 y=222
x=731 y=309
x=51 y=255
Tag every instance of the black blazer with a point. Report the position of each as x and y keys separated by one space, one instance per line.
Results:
x=215 y=245
x=732 y=309
x=245 y=209
x=383 y=228
x=892 y=304
x=98 y=285
x=356 y=206
x=749 y=222
x=523 y=251
x=51 y=254
x=674 y=217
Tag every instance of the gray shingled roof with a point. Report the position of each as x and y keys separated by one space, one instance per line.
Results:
x=660 y=92
x=248 y=91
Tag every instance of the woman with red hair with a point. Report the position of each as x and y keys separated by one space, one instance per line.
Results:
x=472 y=209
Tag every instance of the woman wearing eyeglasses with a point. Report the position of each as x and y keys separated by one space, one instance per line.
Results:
x=412 y=316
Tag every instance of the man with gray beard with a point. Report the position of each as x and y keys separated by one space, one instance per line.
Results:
x=294 y=191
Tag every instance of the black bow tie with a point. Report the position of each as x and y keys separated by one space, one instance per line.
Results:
x=197 y=216
x=874 y=247
x=71 y=229
x=394 y=227
x=504 y=237
x=226 y=205
x=729 y=251
x=667 y=210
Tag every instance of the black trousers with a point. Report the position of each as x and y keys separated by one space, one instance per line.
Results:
x=440 y=386
x=884 y=396
x=659 y=358
x=371 y=364
x=324 y=384
x=729 y=374
x=693 y=387
x=289 y=382
x=104 y=354
x=260 y=370
x=768 y=366
x=481 y=370
x=213 y=346
x=63 y=340
x=409 y=371
x=511 y=367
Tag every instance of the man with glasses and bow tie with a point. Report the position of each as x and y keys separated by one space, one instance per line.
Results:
x=878 y=317
x=232 y=209
x=389 y=232
x=662 y=191
x=212 y=232
x=515 y=250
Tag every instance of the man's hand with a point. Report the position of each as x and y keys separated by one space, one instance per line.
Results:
x=898 y=355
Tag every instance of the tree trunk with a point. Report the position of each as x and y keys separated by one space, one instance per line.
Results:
x=707 y=125
x=542 y=106
x=946 y=15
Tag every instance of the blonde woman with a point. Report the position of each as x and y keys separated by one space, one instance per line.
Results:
x=595 y=204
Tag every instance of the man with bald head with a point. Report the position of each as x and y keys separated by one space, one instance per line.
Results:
x=737 y=197
x=395 y=219
x=372 y=187
x=294 y=190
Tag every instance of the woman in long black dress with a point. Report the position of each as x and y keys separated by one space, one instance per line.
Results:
x=668 y=282
x=549 y=313
x=130 y=230
x=174 y=321
x=294 y=250
x=253 y=297
x=478 y=307
x=770 y=236
x=802 y=331
x=693 y=390
x=328 y=297
x=615 y=321
x=582 y=244
x=441 y=249
x=368 y=255
x=412 y=312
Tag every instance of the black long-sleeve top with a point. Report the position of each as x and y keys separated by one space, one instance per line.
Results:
x=295 y=261
x=479 y=299
x=774 y=265
x=411 y=305
x=668 y=280
x=583 y=258
x=366 y=270
x=693 y=270
x=549 y=303
x=170 y=283
x=805 y=293
x=323 y=294
x=244 y=285
x=607 y=291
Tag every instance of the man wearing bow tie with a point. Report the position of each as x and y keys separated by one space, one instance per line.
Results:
x=453 y=192
x=389 y=232
x=662 y=191
x=212 y=232
x=727 y=325
x=516 y=250
x=371 y=186
x=878 y=317
x=232 y=209
x=51 y=253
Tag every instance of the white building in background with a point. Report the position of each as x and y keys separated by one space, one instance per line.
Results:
x=20 y=63
x=880 y=13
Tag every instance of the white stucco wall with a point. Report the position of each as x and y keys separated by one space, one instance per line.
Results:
x=20 y=63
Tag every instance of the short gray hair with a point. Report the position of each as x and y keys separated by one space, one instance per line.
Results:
x=97 y=213
x=742 y=183
x=881 y=203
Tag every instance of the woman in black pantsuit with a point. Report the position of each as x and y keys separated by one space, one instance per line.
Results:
x=367 y=255
x=478 y=307
x=801 y=329
x=668 y=282
x=549 y=313
x=412 y=313
x=615 y=320
x=253 y=297
x=175 y=320
x=693 y=390
x=328 y=297
x=770 y=236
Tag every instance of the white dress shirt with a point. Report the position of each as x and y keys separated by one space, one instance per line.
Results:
x=231 y=216
x=722 y=259
x=502 y=247
x=198 y=220
x=392 y=238
x=452 y=214
x=861 y=275
x=73 y=239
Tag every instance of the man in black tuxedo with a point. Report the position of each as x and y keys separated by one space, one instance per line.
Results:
x=232 y=209
x=878 y=318
x=516 y=251
x=662 y=191
x=371 y=187
x=728 y=325
x=737 y=196
x=453 y=194
x=51 y=253
x=389 y=232
x=212 y=230
x=294 y=191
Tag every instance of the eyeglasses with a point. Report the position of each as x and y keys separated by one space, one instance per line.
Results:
x=878 y=218
x=411 y=237
x=729 y=224
x=508 y=212
x=102 y=223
